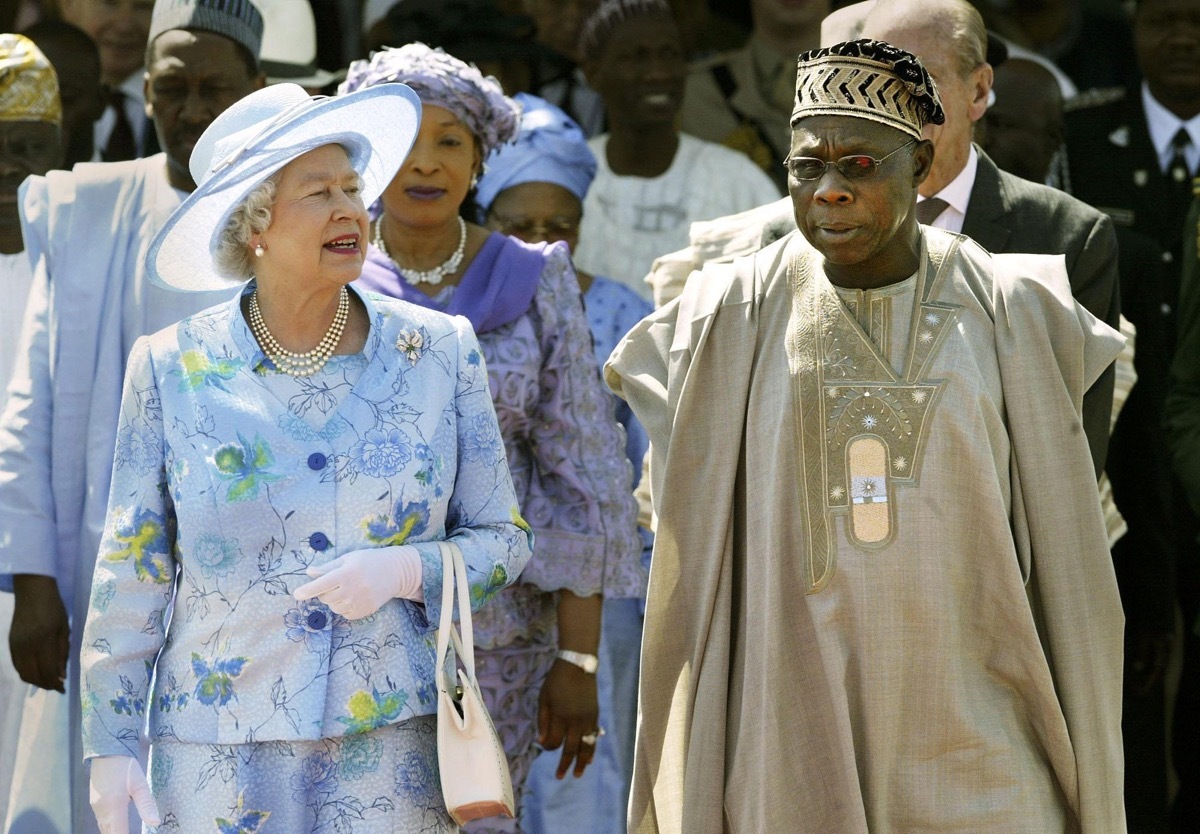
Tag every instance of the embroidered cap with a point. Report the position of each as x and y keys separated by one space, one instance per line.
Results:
x=28 y=85
x=238 y=20
x=870 y=80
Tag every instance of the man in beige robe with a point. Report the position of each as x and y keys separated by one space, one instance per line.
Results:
x=881 y=597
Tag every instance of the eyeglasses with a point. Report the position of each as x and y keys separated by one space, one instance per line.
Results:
x=558 y=228
x=854 y=167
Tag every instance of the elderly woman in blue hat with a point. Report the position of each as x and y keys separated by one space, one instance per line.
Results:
x=286 y=464
x=536 y=644
x=534 y=189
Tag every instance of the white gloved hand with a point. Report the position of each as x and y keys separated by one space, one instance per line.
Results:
x=115 y=781
x=357 y=584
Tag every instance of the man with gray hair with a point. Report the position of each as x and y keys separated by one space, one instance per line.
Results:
x=966 y=192
x=882 y=598
x=86 y=232
x=969 y=193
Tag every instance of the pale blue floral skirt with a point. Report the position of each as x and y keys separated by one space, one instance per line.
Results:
x=382 y=782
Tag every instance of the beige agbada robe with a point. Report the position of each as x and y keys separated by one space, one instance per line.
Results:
x=881 y=596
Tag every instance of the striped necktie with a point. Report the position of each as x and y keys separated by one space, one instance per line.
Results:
x=929 y=210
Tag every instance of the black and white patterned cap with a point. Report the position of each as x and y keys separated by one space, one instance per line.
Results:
x=870 y=80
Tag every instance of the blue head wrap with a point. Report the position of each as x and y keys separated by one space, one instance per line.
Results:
x=549 y=147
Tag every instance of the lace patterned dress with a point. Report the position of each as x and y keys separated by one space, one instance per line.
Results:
x=566 y=453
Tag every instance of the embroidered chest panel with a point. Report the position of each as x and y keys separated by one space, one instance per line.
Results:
x=862 y=425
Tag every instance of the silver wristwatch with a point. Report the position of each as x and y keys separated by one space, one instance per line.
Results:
x=586 y=662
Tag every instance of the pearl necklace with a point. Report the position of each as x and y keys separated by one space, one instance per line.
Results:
x=428 y=276
x=311 y=361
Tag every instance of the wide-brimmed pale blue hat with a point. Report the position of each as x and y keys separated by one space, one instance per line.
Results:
x=256 y=137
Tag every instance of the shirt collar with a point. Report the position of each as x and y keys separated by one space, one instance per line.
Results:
x=1163 y=125
x=957 y=195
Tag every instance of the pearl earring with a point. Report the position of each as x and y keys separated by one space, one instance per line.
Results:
x=259 y=251
x=474 y=180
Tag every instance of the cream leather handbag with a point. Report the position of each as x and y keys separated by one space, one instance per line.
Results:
x=475 y=779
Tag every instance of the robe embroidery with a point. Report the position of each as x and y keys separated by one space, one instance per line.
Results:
x=861 y=425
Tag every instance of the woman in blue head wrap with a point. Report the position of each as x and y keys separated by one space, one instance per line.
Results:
x=535 y=645
x=533 y=189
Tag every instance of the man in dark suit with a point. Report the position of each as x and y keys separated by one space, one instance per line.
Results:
x=967 y=193
x=1133 y=154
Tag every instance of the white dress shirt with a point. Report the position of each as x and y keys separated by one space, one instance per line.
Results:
x=957 y=195
x=1163 y=125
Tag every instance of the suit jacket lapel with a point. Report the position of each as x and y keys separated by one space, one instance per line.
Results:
x=987 y=221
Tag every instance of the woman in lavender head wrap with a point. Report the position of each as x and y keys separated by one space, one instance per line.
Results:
x=533 y=189
x=537 y=641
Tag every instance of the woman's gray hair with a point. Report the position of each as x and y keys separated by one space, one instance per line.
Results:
x=252 y=217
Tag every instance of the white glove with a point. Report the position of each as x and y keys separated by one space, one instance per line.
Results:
x=357 y=584
x=116 y=780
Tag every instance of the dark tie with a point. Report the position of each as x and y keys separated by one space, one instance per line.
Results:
x=929 y=210
x=1179 y=180
x=121 y=144
x=1177 y=169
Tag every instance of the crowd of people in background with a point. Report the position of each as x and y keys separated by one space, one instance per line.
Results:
x=575 y=162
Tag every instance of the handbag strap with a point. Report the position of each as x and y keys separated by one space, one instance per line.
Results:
x=454 y=572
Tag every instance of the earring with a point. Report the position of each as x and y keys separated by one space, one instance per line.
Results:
x=474 y=180
x=259 y=251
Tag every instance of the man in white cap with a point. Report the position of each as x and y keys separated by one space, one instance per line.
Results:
x=86 y=232
x=882 y=598
x=30 y=143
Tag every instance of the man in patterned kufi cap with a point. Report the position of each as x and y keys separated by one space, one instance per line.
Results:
x=878 y=534
x=869 y=79
x=860 y=108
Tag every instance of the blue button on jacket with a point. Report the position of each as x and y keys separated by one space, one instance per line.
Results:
x=217 y=508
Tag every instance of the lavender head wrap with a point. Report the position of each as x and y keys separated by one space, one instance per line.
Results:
x=549 y=147
x=443 y=80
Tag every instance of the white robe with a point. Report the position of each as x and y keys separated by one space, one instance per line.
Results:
x=881 y=596
x=15 y=278
x=628 y=222
x=86 y=233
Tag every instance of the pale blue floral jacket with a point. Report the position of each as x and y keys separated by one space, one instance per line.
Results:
x=222 y=496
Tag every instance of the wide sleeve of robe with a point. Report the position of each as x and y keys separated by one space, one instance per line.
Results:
x=1060 y=532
